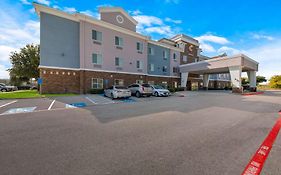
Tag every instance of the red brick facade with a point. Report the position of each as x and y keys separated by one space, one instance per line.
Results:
x=80 y=81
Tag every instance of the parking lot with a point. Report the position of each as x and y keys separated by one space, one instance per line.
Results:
x=57 y=103
x=213 y=132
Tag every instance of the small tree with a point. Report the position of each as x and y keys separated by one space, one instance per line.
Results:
x=275 y=81
x=25 y=64
x=261 y=79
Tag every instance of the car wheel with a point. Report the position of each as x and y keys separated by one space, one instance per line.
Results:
x=112 y=96
x=156 y=94
x=3 y=90
x=138 y=95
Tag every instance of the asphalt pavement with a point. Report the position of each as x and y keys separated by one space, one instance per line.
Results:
x=201 y=133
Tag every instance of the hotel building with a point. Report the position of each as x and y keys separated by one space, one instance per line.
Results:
x=79 y=53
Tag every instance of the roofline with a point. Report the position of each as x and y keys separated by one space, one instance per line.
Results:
x=118 y=9
x=81 y=17
x=223 y=58
x=164 y=45
x=186 y=39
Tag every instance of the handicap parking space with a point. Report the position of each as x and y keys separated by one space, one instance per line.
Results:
x=63 y=102
x=76 y=101
x=28 y=105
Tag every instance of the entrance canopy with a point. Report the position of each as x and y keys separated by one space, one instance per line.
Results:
x=234 y=65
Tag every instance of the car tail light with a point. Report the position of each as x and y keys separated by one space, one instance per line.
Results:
x=143 y=88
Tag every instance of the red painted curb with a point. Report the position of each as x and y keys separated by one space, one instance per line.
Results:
x=255 y=165
x=253 y=93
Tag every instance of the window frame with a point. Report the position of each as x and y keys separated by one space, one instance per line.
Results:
x=97 y=83
x=120 y=62
x=140 y=64
x=97 y=38
x=140 y=44
x=101 y=59
x=122 y=80
x=151 y=65
x=120 y=42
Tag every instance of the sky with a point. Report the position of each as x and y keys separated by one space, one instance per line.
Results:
x=252 y=27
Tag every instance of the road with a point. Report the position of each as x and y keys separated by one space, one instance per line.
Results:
x=201 y=133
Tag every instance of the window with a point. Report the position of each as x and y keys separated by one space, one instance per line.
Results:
x=118 y=41
x=139 y=82
x=175 y=56
x=118 y=61
x=165 y=68
x=175 y=70
x=96 y=35
x=139 y=46
x=184 y=58
x=151 y=67
x=151 y=82
x=139 y=64
x=119 y=82
x=97 y=59
x=165 y=54
x=150 y=51
x=97 y=83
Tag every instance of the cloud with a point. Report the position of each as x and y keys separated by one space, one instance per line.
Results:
x=45 y=2
x=91 y=13
x=15 y=32
x=135 y=12
x=173 y=21
x=69 y=9
x=4 y=74
x=144 y=20
x=29 y=2
x=207 y=47
x=26 y=2
x=152 y=25
x=207 y=40
x=268 y=56
x=261 y=36
x=228 y=50
x=213 y=39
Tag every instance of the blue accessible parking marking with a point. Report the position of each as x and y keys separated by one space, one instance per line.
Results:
x=74 y=105
x=127 y=100
x=20 y=110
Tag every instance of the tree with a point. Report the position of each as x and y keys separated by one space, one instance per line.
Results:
x=25 y=64
x=275 y=81
x=261 y=79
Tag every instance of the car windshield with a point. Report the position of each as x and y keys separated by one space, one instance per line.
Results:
x=158 y=87
x=120 y=87
x=146 y=85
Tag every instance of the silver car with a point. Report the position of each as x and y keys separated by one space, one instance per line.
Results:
x=140 y=90
x=117 y=92
x=160 y=91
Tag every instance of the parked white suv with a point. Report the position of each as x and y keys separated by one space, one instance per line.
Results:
x=117 y=92
x=140 y=90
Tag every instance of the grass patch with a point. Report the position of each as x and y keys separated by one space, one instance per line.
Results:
x=28 y=94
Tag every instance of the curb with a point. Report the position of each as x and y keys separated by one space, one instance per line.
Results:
x=252 y=93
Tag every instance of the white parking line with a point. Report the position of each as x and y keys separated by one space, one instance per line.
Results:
x=90 y=100
x=51 y=105
x=8 y=103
